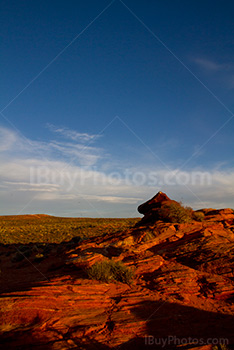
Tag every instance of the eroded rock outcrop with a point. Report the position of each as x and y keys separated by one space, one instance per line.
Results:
x=156 y=208
x=154 y=203
x=183 y=287
x=161 y=206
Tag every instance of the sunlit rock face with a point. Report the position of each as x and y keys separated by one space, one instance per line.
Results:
x=151 y=209
x=183 y=286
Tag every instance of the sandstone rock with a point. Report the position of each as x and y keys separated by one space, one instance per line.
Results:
x=183 y=286
x=156 y=202
x=152 y=209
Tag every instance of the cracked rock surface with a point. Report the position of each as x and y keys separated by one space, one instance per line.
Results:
x=183 y=288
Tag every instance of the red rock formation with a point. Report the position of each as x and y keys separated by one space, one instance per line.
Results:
x=156 y=202
x=152 y=209
x=183 y=289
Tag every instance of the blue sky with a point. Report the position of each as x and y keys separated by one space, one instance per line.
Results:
x=103 y=103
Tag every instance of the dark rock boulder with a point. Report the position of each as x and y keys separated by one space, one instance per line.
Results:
x=152 y=208
x=156 y=202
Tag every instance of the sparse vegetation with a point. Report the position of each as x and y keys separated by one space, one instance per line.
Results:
x=109 y=271
x=39 y=257
x=220 y=347
x=176 y=213
x=49 y=229
x=198 y=216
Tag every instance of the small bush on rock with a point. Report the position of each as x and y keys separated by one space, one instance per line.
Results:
x=220 y=347
x=109 y=271
x=198 y=216
x=176 y=213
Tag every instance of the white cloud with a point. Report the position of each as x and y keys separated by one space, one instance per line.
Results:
x=208 y=64
x=73 y=134
x=211 y=65
x=223 y=72
x=7 y=139
x=22 y=147
x=86 y=155
x=113 y=199
x=33 y=184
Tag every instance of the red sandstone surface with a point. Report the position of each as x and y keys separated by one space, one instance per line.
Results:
x=182 y=292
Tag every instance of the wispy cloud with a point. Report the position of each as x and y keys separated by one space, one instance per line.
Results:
x=79 y=153
x=85 y=155
x=73 y=135
x=57 y=186
x=212 y=65
x=207 y=64
x=222 y=71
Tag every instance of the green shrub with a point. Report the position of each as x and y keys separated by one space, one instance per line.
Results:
x=176 y=213
x=39 y=257
x=220 y=347
x=109 y=271
x=198 y=216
